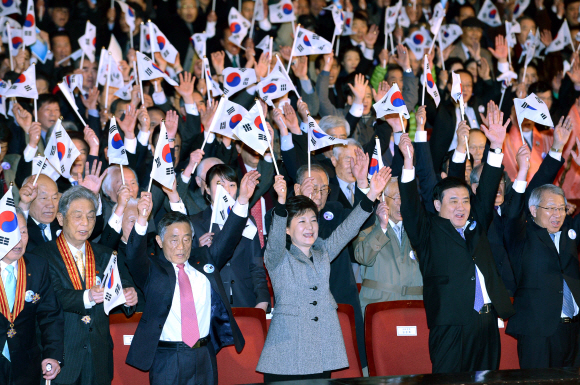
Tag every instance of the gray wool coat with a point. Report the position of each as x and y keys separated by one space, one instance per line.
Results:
x=305 y=335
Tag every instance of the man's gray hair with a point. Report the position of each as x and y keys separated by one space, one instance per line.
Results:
x=75 y=193
x=349 y=142
x=172 y=218
x=536 y=196
x=332 y=121
x=302 y=172
x=112 y=173
x=201 y=164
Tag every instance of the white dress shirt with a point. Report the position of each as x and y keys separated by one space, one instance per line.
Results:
x=4 y=273
x=46 y=229
x=367 y=52
x=471 y=120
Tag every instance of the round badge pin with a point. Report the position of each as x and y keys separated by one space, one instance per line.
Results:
x=473 y=225
x=208 y=268
x=572 y=234
x=481 y=109
x=412 y=255
x=28 y=296
x=328 y=216
x=98 y=281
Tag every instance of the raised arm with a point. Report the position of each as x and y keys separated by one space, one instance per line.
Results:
x=137 y=259
x=276 y=246
x=370 y=241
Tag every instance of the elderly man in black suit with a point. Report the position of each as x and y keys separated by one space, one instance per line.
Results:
x=187 y=317
x=543 y=251
x=76 y=270
x=463 y=292
x=23 y=359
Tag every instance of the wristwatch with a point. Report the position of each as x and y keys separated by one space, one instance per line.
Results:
x=555 y=149
x=409 y=70
x=496 y=150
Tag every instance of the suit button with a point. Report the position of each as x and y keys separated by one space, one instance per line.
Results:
x=90 y=329
x=227 y=264
x=160 y=326
x=315 y=319
x=233 y=282
x=313 y=303
x=84 y=347
x=473 y=278
x=315 y=288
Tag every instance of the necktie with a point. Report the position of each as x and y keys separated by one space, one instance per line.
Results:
x=43 y=226
x=10 y=288
x=568 y=301
x=80 y=264
x=350 y=188
x=189 y=326
x=256 y=212
x=461 y=232
x=398 y=230
x=74 y=183
x=234 y=61
x=478 y=301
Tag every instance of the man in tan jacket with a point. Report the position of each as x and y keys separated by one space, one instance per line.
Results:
x=390 y=268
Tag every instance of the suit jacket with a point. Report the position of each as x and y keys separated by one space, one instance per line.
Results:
x=80 y=335
x=447 y=261
x=305 y=335
x=26 y=351
x=385 y=261
x=34 y=233
x=155 y=275
x=243 y=276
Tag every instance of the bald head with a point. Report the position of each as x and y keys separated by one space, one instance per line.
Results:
x=201 y=172
x=44 y=207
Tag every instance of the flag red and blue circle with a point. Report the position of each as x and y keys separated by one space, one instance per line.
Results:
x=16 y=42
x=166 y=154
x=492 y=13
x=111 y=281
x=430 y=81
x=130 y=12
x=307 y=41
x=7 y=3
x=418 y=39
x=233 y=79
x=235 y=27
x=374 y=166
x=347 y=22
x=29 y=21
x=270 y=88
x=318 y=135
x=397 y=99
x=157 y=68
x=229 y=210
x=235 y=120
x=94 y=41
x=61 y=150
x=21 y=79
x=287 y=9
x=161 y=42
x=445 y=34
x=117 y=142
x=8 y=221
x=258 y=123
x=516 y=9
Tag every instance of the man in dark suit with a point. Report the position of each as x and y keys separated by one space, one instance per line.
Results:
x=23 y=359
x=187 y=317
x=244 y=276
x=543 y=251
x=463 y=292
x=76 y=270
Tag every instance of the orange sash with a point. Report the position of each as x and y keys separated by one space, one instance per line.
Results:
x=71 y=266
x=18 y=300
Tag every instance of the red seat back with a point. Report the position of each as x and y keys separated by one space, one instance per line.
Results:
x=347 y=324
x=234 y=368
x=509 y=350
x=389 y=354
x=122 y=331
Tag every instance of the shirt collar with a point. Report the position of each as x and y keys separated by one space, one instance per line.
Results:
x=4 y=265
x=37 y=222
x=249 y=168
x=362 y=43
x=343 y=185
x=393 y=224
x=74 y=250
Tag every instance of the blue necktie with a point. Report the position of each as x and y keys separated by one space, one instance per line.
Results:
x=42 y=227
x=10 y=288
x=478 y=301
x=568 y=302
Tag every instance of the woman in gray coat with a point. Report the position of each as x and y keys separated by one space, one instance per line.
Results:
x=305 y=339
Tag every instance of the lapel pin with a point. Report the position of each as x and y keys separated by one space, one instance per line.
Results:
x=328 y=216
x=28 y=295
x=412 y=255
x=208 y=268
x=472 y=226
x=98 y=280
x=572 y=234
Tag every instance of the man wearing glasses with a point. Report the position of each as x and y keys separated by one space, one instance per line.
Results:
x=390 y=269
x=543 y=250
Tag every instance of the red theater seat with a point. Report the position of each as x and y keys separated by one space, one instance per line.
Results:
x=346 y=319
x=124 y=328
x=234 y=368
x=509 y=350
x=389 y=354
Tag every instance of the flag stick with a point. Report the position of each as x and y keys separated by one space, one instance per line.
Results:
x=293 y=27
x=207 y=81
x=82 y=60
x=270 y=139
x=213 y=6
x=337 y=47
x=309 y=159
x=80 y=117
x=10 y=46
x=525 y=70
x=466 y=146
x=402 y=123
x=441 y=52
x=131 y=37
x=252 y=26
x=501 y=99
x=39 y=171
x=112 y=4
x=122 y=174
x=240 y=6
x=140 y=82
x=408 y=152
x=152 y=40
x=509 y=55
x=149 y=188
x=521 y=134
x=433 y=41
x=270 y=53
x=392 y=45
x=293 y=46
x=108 y=81
x=35 y=111
x=424 y=80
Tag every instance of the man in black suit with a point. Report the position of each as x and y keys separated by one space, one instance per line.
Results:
x=187 y=317
x=244 y=276
x=76 y=269
x=463 y=293
x=23 y=359
x=543 y=251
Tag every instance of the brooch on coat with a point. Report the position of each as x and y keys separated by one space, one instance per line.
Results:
x=31 y=296
x=572 y=234
x=208 y=268
x=86 y=319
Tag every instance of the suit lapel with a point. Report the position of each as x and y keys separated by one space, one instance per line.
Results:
x=448 y=228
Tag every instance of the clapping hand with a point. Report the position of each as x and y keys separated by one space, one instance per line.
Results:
x=379 y=182
x=92 y=180
x=247 y=186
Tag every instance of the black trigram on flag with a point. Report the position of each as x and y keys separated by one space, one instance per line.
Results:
x=58 y=134
x=62 y=169
x=262 y=137
x=435 y=93
x=543 y=116
x=223 y=215
x=27 y=33
x=52 y=150
x=165 y=53
x=148 y=71
x=108 y=297
x=4 y=241
x=69 y=152
x=247 y=127
x=231 y=110
x=283 y=87
x=311 y=125
x=117 y=289
x=300 y=34
x=300 y=48
x=169 y=171
x=315 y=37
x=226 y=91
x=222 y=125
x=539 y=100
x=246 y=81
x=123 y=151
x=279 y=15
x=158 y=162
x=375 y=151
x=28 y=88
x=10 y=202
x=313 y=141
x=113 y=128
x=525 y=105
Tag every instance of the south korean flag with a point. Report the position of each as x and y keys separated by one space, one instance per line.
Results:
x=47 y=168
x=230 y=117
x=318 y=139
x=113 y=294
x=222 y=207
x=199 y=43
x=392 y=103
x=309 y=43
x=489 y=14
x=252 y=130
x=448 y=34
x=163 y=171
x=239 y=27
x=282 y=12
x=9 y=231
x=534 y=109
x=25 y=85
x=237 y=79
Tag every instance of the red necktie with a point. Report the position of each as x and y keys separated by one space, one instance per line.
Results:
x=189 y=326
x=256 y=212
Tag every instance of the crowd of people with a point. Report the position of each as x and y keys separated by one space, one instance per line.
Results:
x=217 y=152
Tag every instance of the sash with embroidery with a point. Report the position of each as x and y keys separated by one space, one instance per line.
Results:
x=18 y=300
x=71 y=267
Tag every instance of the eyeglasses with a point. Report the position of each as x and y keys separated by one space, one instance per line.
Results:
x=553 y=210
x=323 y=191
x=396 y=199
